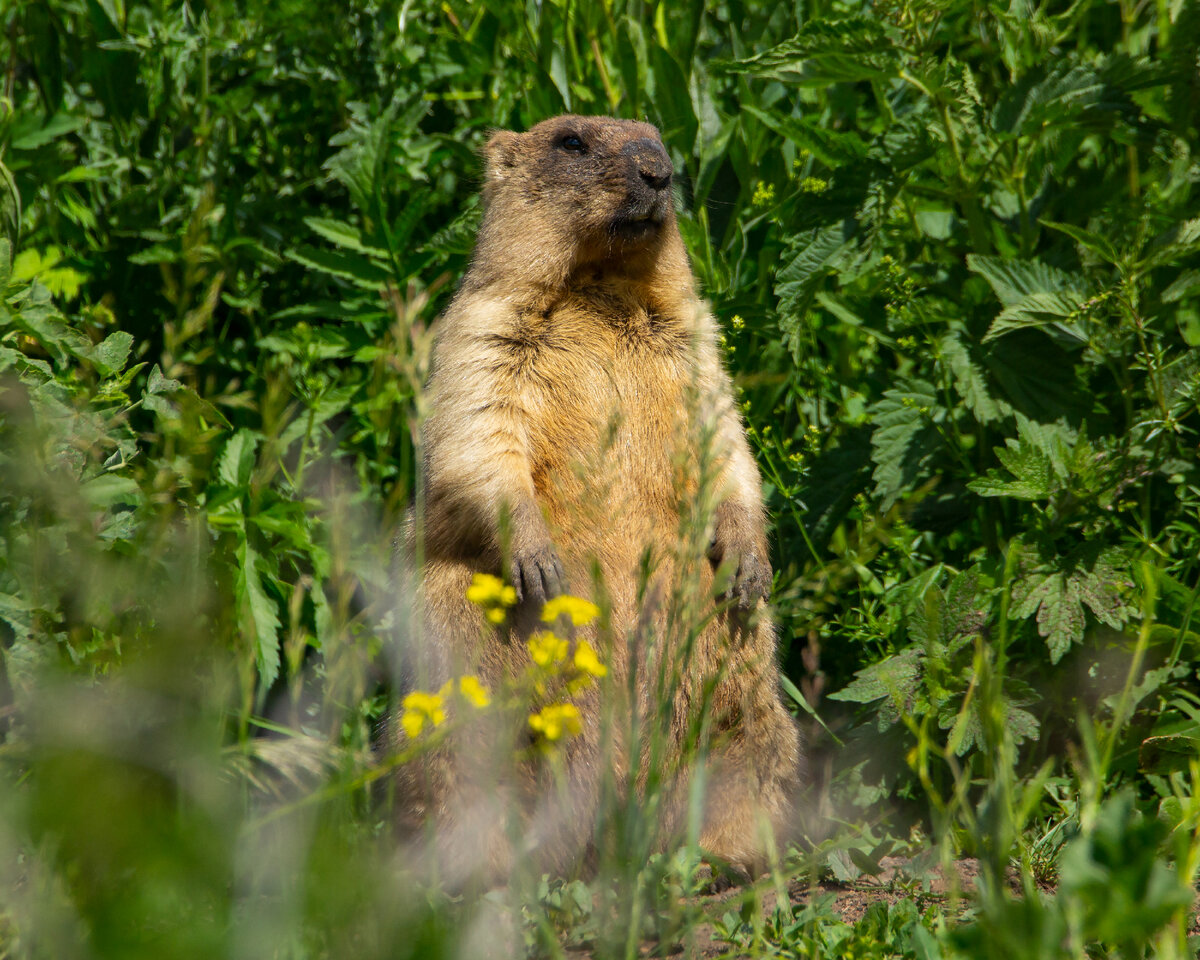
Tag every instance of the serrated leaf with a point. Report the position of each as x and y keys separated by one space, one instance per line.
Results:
x=896 y=678
x=1050 y=312
x=830 y=147
x=1037 y=461
x=358 y=269
x=904 y=437
x=970 y=381
x=1178 y=241
x=1065 y=92
x=825 y=51
x=1015 y=280
x=1095 y=243
x=1059 y=588
x=808 y=259
x=1036 y=376
x=1183 y=287
x=112 y=353
x=259 y=615
x=344 y=235
x=236 y=463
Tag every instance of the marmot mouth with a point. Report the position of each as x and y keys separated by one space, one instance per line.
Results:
x=640 y=219
x=637 y=227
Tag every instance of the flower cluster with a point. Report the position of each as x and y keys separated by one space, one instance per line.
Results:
x=423 y=710
x=556 y=664
x=556 y=721
x=552 y=657
x=492 y=595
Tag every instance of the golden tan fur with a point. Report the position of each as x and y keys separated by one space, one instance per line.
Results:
x=583 y=436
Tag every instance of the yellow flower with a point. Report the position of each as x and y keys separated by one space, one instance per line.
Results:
x=474 y=692
x=545 y=648
x=422 y=708
x=556 y=721
x=582 y=612
x=586 y=660
x=492 y=594
x=764 y=194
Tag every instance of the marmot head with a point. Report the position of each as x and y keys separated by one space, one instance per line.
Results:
x=574 y=191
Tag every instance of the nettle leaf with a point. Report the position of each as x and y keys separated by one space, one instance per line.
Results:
x=111 y=354
x=967 y=725
x=831 y=147
x=945 y=618
x=1180 y=240
x=1033 y=476
x=236 y=463
x=1014 y=280
x=344 y=235
x=905 y=437
x=1040 y=461
x=970 y=380
x=813 y=254
x=1067 y=92
x=1036 y=376
x=1095 y=243
x=897 y=678
x=1053 y=313
x=359 y=270
x=1057 y=590
x=358 y=166
x=258 y=613
x=826 y=51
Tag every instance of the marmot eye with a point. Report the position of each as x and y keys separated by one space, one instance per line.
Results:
x=572 y=143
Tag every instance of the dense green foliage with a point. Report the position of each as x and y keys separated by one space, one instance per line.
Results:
x=955 y=250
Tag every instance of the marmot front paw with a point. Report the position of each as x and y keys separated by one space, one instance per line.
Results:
x=537 y=575
x=752 y=581
x=751 y=578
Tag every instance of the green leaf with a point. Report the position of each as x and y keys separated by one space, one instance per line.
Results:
x=1094 y=243
x=1052 y=313
x=1065 y=92
x=825 y=51
x=970 y=380
x=112 y=353
x=1058 y=589
x=258 y=613
x=904 y=437
x=896 y=678
x=809 y=257
x=830 y=147
x=1013 y=281
x=1175 y=243
x=110 y=489
x=236 y=463
x=10 y=220
x=359 y=270
x=1036 y=376
x=344 y=235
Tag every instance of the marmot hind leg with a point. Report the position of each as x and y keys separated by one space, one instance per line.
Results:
x=755 y=772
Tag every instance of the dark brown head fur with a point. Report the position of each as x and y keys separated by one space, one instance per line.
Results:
x=576 y=192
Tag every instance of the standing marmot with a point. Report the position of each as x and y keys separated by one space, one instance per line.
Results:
x=583 y=437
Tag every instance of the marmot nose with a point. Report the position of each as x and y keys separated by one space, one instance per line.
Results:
x=651 y=160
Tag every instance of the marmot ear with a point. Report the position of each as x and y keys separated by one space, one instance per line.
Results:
x=500 y=154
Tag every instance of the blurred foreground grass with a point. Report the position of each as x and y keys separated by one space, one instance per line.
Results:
x=955 y=250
